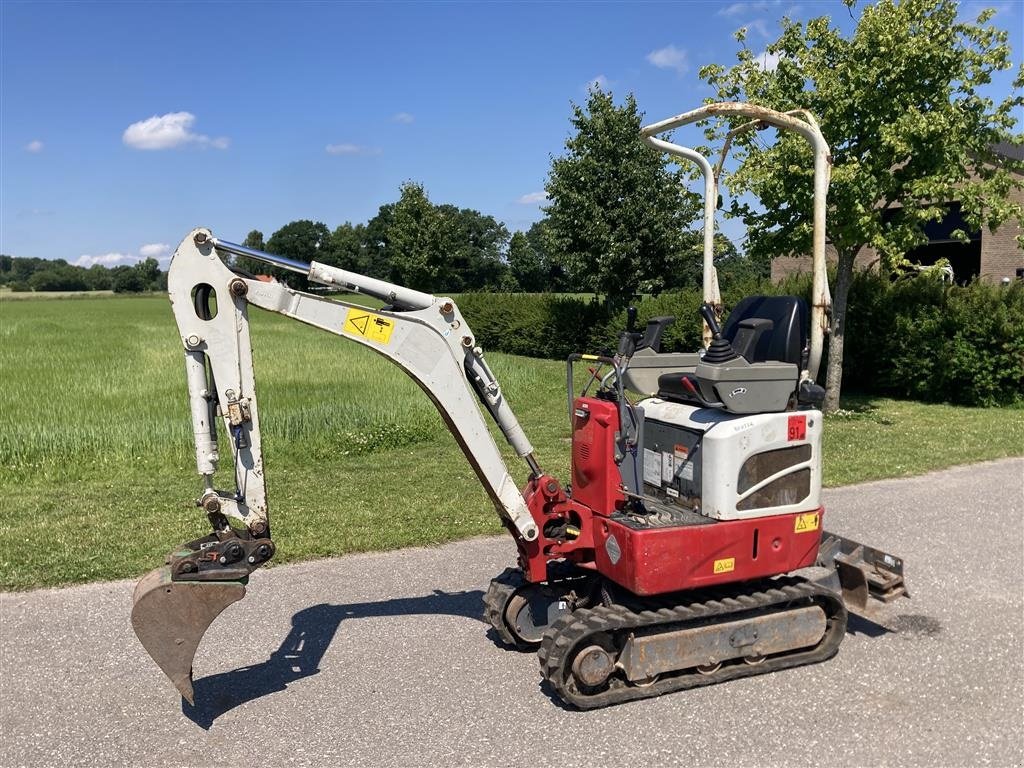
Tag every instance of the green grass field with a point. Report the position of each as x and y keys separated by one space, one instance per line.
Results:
x=97 y=475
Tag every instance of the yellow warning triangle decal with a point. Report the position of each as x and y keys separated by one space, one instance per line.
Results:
x=360 y=322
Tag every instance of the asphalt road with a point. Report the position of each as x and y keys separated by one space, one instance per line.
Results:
x=382 y=660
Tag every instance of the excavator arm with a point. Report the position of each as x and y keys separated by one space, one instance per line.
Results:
x=424 y=335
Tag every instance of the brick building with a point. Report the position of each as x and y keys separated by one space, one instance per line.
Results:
x=991 y=256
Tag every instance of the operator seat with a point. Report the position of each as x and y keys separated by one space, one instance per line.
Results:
x=783 y=338
x=767 y=332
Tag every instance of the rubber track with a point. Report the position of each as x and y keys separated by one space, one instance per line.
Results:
x=570 y=632
x=499 y=592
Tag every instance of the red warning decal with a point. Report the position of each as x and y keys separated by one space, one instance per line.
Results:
x=797 y=427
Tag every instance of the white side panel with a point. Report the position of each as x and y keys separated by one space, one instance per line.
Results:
x=729 y=440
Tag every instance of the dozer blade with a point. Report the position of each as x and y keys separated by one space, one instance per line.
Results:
x=171 y=617
x=867 y=575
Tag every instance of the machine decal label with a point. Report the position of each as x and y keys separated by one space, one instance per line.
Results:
x=806 y=522
x=725 y=565
x=652 y=467
x=359 y=322
x=668 y=467
x=611 y=546
x=797 y=428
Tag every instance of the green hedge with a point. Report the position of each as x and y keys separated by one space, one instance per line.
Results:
x=913 y=337
x=533 y=324
x=919 y=338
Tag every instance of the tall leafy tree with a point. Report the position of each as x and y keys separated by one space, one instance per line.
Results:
x=617 y=208
x=302 y=240
x=686 y=269
x=476 y=244
x=348 y=248
x=541 y=241
x=438 y=247
x=901 y=105
x=253 y=240
x=375 y=241
x=526 y=265
x=416 y=241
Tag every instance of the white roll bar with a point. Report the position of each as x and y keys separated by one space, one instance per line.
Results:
x=799 y=121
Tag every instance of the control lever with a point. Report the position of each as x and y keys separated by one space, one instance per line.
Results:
x=629 y=338
x=719 y=350
x=708 y=313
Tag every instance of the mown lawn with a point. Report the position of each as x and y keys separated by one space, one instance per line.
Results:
x=97 y=475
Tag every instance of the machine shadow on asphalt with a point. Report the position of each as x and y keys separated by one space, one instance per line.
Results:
x=313 y=630
x=862 y=625
x=299 y=654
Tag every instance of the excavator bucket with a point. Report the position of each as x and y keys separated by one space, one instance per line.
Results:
x=171 y=617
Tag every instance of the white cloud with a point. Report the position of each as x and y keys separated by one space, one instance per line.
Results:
x=154 y=250
x=403 y=117
x=757 y=25
x=769 y=62
x=168 y=131
x=159 y=251
x=532 y=197
x=669 y=57
x=739 y=8
x=30 y=212
x=351 y=149
x=970 y=11
x=600 y=82
x=35 y=146
x=106 y=259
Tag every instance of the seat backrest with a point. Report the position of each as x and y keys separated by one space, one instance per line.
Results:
x=787 y=339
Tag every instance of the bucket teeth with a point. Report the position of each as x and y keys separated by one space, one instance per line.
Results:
x=171 y=617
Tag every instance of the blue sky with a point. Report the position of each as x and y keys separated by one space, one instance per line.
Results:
x=125 y=125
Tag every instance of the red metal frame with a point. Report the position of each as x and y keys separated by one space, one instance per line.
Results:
x=653 y=561
x=649 y=561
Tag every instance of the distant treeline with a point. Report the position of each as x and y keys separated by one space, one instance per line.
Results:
x=29 y=274
x=440 y=247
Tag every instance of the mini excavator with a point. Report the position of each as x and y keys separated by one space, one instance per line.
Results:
x=687 y=547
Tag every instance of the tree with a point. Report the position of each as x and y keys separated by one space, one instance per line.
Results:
x=59 y=277
x=349 y=250
x=97 y=277
x=617 y=208
x=441 y=247
x=526 y=265
x=541 y=241
x=254 y=240
x=149 y=272
x=301 y=240
x=128 y=280
x=476 y=245
x=899 y=103
x=416 y=240
x=686 y=268
x=375 y=241
x=251 y=266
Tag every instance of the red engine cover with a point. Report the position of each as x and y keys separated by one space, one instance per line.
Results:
x=653 y=561
x=595 y=475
